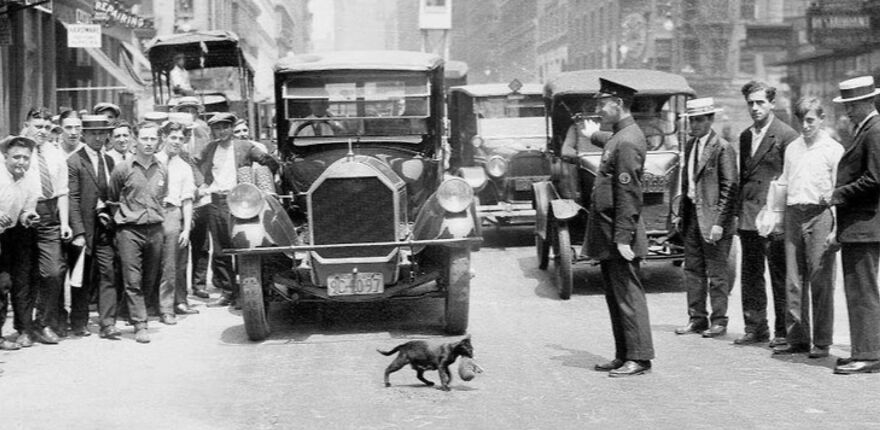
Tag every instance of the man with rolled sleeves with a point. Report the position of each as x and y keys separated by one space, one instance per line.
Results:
x=221 y=163
x=708 y=203
x=762 y=149
x=615 y=230
x=856 y=196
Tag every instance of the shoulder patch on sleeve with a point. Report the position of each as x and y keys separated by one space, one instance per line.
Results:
x=624 y=178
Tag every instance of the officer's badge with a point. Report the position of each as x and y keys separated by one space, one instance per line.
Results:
x=624 y=178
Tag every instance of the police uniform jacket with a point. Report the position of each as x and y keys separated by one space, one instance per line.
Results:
x=616 y=199
x=245 y=155
x=857 y=192
x=716 y=183
x=757 y=171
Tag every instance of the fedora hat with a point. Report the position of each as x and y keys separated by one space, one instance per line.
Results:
x=856 y=89
x=701 y=106
x=96 y=122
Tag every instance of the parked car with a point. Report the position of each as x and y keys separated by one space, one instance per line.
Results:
x=498 y=135
x=562 y=202
x=368 y=214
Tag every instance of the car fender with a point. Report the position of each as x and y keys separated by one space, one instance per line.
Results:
x=564 y=209
x=433 y=222
x=474 y=176
x=272 y=227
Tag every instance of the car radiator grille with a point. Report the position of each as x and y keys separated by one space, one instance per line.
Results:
x=353 y=210
x=525 y=170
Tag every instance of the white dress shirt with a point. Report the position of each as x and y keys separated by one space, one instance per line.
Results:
x=758 y=136
x=56 y=161
x=693 y=164
x=223 y=169
x=181 y=181
x=15 y=196
x=809 y=172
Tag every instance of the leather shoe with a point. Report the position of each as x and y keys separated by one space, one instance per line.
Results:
x=609 y=366
x=631 y=368
x=778 y=341
x=168 y=319
x=819 y=352
x=183 y=309
x=788 y=349
x=61 y=332
x=47 y=336
x=24 y=340
x=81 y=332
x=715 y=331
x=225 y=299
x=6 y=345
x=858 y=366
x=751 y=339
x=202 y=294
x=110 y=332
x=141 y=335
x=841 y=361
x=691 y=328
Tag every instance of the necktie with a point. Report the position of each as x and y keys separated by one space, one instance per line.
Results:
x=45 y=179
x=102 y=178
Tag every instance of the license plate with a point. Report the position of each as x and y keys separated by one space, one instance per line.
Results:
x=350 y=284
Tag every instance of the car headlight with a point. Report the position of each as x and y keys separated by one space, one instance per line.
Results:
x=496 y=167
x=477 y=141
x=245 y=201
x=455 y=195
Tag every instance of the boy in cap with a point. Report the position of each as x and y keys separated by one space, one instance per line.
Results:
x=110 y=110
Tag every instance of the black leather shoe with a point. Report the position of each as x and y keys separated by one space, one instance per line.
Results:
x=168 y=319
x=183 y=309
x=858 y=366
x=691 y=328
x=110 y=332
x=6 y=345
x=202 y=294
x=819 y=352
x=715 y=331
x=609 y=366
x=24 y=339
x=81 y=332
x=788 y=349
x=751 y=339
x=61 y=332
x=225 y=299
x=631 y=368
x=778 y=341
x=840 y=361
x=47 y=336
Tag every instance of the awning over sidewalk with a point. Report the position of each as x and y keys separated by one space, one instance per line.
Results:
x=124 y=77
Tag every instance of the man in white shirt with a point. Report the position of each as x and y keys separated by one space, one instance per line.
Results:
x=71 y=132
x=179 y=77
x=17 y=204
x=120 y=142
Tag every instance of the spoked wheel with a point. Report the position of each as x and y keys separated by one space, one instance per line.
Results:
x=458 y=290
x=253 y=305
x=564 y=260
x=543 y=248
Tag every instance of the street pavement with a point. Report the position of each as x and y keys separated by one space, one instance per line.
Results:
x=319 y=368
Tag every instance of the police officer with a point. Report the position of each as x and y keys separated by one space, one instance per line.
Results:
x=616 y=233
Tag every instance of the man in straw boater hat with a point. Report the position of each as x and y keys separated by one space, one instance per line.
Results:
x=856 y=196
x=615 y=231
x=707 y=211
x=89 y=172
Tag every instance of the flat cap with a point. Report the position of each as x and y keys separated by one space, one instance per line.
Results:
x=222 y=117
x=106 y=106
x=4 y=144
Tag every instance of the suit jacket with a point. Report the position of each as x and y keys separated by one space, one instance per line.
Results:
x=84 y=194
x=245 y=155
x=757 y=171
x=616 y=199
x=857 y=192
x=716 y=181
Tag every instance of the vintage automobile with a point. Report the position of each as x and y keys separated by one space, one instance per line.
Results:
x=562 y=203
x=498 y=135
x=370 y=214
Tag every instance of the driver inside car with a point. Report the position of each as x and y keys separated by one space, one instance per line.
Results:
x=319 y=122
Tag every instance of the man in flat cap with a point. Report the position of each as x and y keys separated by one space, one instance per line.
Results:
x=110 y=110
x=222 y=162
x=707 y=211
x=615 y=231
x=857 y=199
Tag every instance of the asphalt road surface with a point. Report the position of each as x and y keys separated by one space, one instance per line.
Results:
x=320 y=369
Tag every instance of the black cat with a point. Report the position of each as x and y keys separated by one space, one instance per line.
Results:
x=423 y=356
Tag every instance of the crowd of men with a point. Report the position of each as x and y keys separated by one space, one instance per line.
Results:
x=114 y=211
x=794 y=199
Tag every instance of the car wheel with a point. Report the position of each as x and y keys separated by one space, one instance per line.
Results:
x=458 y=288
x=543 y=248
x=564 y=259
x=253 y=305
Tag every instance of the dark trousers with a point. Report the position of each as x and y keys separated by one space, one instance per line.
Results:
x=218 y=224
x=628 y=308
x=198 y=240
x=757 y=250
x=99 y=276
x=140 y=252
x=172 y=287
x=6 y=263
x=809 y=277
x=705 y=273
x=859 y=261
x=38 y=273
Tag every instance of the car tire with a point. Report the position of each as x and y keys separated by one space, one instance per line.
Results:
x=543 y=248
x=253 y=304
x=458 y=287
x=564 y=260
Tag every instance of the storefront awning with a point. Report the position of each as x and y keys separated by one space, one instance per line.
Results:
x=124 y=77
x=139 y=58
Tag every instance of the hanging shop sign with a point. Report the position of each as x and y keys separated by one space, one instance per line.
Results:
x=112 y=12
x=83 y=36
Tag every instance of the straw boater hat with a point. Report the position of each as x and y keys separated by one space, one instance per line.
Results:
x=856 y=89
x=159 y=117
x=96 y=122
x=702 y=106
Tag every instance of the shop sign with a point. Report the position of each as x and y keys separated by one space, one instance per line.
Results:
x=83 y=36
x=112 y=12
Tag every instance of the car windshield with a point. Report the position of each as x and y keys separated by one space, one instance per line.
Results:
x=377 y=104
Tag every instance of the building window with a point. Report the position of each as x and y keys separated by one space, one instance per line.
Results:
x=747 y=10
x=719 y=56
x=747 y=64
x=691 y=50
x=183 y=9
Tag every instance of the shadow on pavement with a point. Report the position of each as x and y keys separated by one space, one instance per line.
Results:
x=576 y=358
x=513 y=236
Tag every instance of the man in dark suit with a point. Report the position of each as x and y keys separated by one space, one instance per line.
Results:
x=221 y=164
x=707 y=211
x=856 y=196
x=616 y=232
x=89 y=175
x=762 y=149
